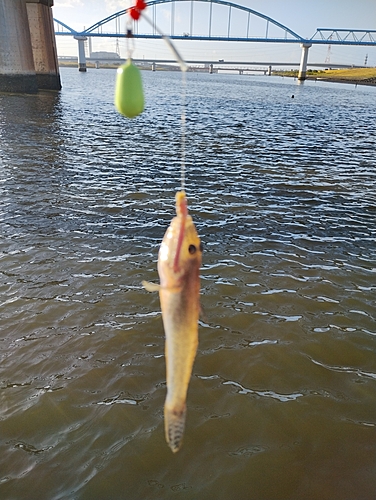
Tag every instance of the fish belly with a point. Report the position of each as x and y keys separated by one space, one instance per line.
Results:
x=180 y=320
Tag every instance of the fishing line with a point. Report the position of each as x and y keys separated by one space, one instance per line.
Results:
x=183 y=129
x=184 y=68
x=130 y=46
x=172 y=47
x=130 y=78
x=130 y=42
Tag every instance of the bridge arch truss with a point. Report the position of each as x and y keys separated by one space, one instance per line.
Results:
x=257 y=27
x=219 y=25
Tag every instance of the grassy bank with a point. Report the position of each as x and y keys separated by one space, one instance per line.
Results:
x=365 y=76
x=294 y=73
x=351 y=73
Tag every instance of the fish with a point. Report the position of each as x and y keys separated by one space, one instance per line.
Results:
x=179 y=262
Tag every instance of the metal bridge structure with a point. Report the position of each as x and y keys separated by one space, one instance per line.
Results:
x=225 y=21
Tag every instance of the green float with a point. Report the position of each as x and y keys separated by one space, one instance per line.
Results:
x=129 y=95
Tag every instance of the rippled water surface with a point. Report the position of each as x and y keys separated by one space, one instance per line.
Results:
x=282 y=401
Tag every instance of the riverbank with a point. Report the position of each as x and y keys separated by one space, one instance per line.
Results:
x=105 y=65
x=355 y=76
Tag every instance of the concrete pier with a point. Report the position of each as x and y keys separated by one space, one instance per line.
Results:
x=81 y=52
x=303 y=61
x=43 y=44
x=28 y=57
x=17 y=71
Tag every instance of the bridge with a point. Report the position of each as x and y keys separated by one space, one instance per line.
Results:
x=241 y=67
x=28 y=58
x=225 y=21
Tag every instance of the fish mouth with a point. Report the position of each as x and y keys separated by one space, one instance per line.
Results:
x=182 y=212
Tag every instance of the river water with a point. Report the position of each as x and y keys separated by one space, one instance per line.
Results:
x=282 y=400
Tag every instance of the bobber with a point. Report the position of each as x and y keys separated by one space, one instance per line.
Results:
x=129 y=95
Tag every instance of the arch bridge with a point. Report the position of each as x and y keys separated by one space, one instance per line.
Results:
x=223 y=21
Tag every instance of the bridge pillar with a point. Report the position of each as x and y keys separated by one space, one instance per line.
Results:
x=303 y=61
x=27 y=46
x=43 y=43
x=153 y=66
x=81 y=52
x=269 y=71
x=210 y=69
x=17 y=71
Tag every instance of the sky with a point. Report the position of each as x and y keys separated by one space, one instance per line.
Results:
x=301 y=16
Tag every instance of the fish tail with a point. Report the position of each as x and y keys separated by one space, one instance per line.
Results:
x=174 y=419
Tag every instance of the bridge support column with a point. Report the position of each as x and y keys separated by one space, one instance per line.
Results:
x=81 y=52
x=269 y=71
x=210 y=69
x=17 y=72
x=153 y=66
x=43 y=43
x=303 y=61
x=28 y=58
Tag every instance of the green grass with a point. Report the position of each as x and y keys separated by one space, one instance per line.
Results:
x=294 y=72
x=352 y=74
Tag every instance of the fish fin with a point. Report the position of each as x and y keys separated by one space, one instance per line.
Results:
x=151 y=287
x=174 y=427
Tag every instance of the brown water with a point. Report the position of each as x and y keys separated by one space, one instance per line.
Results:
x=282 y=401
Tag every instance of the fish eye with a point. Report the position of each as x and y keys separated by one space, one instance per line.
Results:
x=192 y=249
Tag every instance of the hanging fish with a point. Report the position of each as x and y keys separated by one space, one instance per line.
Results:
x=179 y=262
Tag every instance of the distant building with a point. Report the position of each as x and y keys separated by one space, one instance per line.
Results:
x=104 y=55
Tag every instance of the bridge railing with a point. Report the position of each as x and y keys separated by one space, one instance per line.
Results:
x=344 y=36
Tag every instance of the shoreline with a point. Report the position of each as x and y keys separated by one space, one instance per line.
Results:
x=369 y=82
x=352 y=76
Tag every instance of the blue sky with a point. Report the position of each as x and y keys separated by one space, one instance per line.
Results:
x=301 y=16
